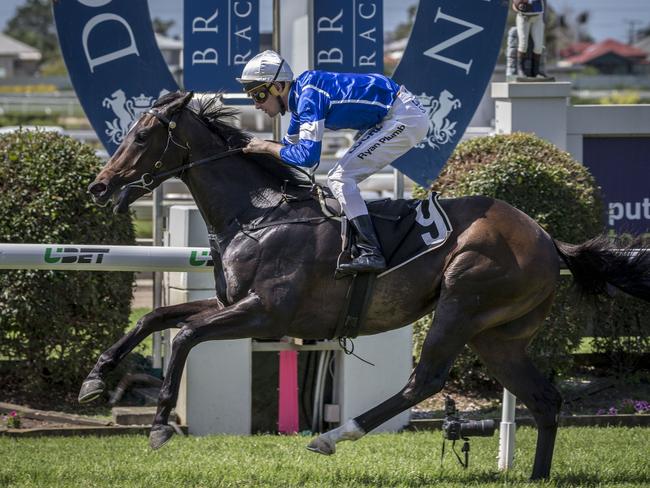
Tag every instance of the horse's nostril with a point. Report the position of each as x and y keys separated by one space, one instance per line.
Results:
x=97 y=189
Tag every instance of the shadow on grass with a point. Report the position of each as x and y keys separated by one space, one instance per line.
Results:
x=598 y=479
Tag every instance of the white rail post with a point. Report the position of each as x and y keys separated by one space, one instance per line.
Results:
x=215 y=392
x=507 y=431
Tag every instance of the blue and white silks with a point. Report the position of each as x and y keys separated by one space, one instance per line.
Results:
x=320 y=99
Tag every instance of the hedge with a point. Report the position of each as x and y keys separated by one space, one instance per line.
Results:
x=53 y=324
x=561 y=195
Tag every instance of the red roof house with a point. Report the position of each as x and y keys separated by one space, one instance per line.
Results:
x=608 y=57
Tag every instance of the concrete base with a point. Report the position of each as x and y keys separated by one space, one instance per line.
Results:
x=528 y=79
x=527 y=107
x=134 y=415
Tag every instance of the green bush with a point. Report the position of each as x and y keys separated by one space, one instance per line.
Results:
x=561 y=195
x=53 y=324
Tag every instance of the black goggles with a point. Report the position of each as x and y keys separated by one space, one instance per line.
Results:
x=260 y=95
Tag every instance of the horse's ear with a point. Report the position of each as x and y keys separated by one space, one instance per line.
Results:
x=180 y=103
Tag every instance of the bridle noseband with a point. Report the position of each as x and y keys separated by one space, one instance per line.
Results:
x=149 y=181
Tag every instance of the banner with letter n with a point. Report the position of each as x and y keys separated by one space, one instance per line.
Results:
x=448 y=62
x=113 y=60
x=220 y=37
x=347 y=36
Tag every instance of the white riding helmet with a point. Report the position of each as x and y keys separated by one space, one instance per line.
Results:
x=266 y=67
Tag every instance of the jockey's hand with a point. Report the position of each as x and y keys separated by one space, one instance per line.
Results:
x=256 y=145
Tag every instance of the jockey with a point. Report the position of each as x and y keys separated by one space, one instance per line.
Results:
x=390 y=121
x=530 y=23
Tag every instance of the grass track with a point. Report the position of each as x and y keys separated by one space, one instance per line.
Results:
x=584 y=457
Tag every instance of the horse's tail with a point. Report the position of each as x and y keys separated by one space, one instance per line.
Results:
x=600 y=262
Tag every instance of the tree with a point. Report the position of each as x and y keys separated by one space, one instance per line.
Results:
x=33 y=24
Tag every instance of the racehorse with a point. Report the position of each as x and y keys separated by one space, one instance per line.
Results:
x=491 y=284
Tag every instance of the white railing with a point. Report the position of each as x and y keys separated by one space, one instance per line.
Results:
x=97 y=257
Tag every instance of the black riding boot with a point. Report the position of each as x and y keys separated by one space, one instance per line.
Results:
x=370 y=259
x=540 y=73
x=521 y=59
x=534 y=65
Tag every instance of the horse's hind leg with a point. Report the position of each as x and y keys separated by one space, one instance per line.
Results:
x=507 y=360
x=160 y=319
x=450 y=330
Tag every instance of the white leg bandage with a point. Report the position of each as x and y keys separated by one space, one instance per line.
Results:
x=326 y=443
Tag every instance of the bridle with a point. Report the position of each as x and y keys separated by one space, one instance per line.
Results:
x=148 y=181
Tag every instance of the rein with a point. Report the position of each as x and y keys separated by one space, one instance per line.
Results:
x=148 y=180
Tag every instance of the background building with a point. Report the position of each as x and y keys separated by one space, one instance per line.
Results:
x=17 y=58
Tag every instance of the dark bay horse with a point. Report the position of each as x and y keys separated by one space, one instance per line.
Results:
x=491 y=284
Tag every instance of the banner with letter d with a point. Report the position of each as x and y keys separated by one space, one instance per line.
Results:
x=113 y=60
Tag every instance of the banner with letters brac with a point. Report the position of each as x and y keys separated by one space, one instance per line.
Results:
x=348 y=35
x=448 y=63
x=113 y=61
x=220 y=37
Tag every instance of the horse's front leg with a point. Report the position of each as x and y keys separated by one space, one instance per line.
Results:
x=246 y=318
x=160 y=319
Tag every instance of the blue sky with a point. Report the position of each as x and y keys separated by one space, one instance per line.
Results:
x=609 y=18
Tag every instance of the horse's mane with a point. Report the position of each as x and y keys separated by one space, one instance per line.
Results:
x=211 y=111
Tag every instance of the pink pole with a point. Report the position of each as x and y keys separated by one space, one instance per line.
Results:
x=288 y=393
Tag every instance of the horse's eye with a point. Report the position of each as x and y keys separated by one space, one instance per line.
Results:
x=140 y=136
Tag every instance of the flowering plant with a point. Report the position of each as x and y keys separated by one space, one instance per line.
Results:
x=12 y=420
x=627 y=406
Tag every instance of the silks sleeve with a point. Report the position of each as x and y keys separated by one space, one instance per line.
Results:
x=313 y=105
x=292 y=135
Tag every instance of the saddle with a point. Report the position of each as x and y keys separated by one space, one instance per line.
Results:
x=406 y=228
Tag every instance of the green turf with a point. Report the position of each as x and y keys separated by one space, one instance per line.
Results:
x=584 y=457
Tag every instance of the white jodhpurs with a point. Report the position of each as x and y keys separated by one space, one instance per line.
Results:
x=405 y=125
x=532 y=25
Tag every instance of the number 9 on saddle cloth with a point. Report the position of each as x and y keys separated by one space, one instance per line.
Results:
x=406 y=229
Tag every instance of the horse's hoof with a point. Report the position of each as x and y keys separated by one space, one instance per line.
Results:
x=322 y=445
x=90 y=389
x=160 y=435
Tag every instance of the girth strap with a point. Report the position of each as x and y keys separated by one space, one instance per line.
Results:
x=355 y=309
x=273 y=223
